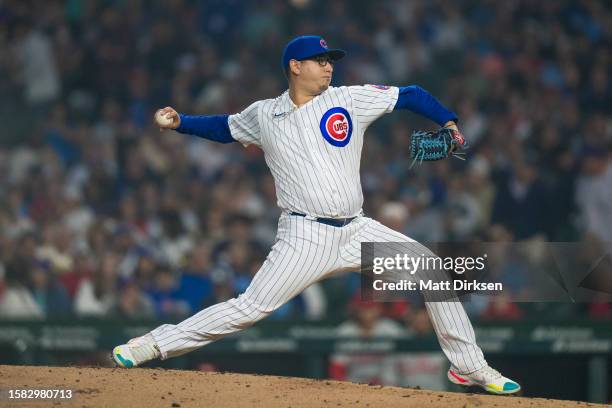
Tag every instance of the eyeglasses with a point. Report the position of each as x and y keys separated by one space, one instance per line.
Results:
x=322 y=60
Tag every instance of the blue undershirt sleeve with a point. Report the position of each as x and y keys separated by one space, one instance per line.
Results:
x=422 y=102
x=215 y=127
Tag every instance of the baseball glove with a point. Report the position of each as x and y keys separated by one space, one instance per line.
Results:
x=438 y=145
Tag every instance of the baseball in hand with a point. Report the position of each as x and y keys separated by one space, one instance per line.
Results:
x=163 y=120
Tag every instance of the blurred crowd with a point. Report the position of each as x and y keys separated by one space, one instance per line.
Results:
x=101 y=215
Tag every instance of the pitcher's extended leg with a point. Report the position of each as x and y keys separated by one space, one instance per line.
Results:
x=298 y=259
x=450 y=322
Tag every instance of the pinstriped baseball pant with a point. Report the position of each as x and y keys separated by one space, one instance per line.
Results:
x=305 y=252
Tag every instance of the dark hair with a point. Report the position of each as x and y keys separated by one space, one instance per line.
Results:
x=16 y=272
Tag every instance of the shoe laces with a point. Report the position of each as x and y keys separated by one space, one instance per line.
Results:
x=490 y=372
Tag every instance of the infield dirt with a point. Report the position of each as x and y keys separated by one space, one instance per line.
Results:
x=142 y=387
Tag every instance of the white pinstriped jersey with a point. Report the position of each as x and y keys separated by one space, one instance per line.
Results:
x=314 y=154
x=314 y=151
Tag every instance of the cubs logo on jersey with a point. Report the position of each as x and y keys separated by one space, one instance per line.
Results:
x=336 y=126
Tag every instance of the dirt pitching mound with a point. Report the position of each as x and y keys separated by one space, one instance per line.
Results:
x=142 y=387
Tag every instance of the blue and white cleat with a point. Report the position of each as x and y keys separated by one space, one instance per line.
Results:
x=137 y=351
x=487 y=378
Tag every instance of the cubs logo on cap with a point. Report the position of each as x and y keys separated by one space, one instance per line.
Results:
x=336 y=126
x=307 y=46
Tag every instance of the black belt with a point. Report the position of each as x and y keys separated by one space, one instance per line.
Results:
x=334 y=222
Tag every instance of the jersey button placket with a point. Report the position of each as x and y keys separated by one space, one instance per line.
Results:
x=317 y=154
x=317 y=162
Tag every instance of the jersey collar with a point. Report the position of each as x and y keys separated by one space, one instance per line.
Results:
x=285 y=106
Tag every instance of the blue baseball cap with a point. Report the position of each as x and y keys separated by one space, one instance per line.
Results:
x=307 y=46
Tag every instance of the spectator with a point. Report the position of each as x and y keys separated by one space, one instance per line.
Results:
x=462 y=212
x=83 y=268
x=195 y=283
x=133 y=304
x=393 y=215
x=34 y=53
x=520 y=204
x=17 y=302
x=425 y=224
x=48 y=292
x=594 y=194
x=164 y=294
x=96 y=296
x=370 y=368
x=424 y=369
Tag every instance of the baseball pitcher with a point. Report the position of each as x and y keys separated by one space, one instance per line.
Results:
x=312 y=138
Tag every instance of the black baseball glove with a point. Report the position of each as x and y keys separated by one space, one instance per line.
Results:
x=438 y=145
